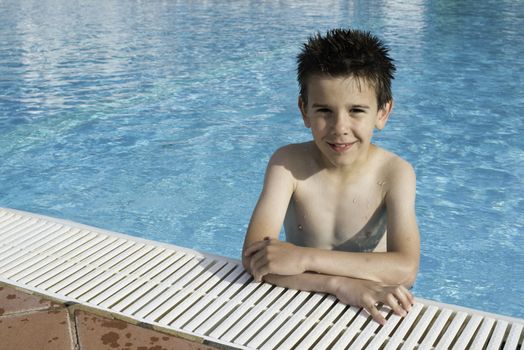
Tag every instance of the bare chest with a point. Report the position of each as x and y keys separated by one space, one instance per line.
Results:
x=329 y=216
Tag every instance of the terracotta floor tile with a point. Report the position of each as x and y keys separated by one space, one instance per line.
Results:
x=13 y=301
x=100 y=333
x=42 y=330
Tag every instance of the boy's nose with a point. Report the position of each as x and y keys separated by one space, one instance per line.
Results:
x=341 y=124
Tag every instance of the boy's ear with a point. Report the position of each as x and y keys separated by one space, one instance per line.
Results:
x=383 y=115
x=302 y=106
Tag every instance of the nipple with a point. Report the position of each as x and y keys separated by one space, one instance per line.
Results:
x=300 y=228
x=381 y=183
x=354 y=200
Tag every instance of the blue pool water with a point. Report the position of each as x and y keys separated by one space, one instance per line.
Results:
x=157 y=118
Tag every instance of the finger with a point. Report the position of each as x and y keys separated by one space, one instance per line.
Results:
x=404 y=297
x=259 y=265
x=393 y=303
x=259 y=259
x=262 y=269
x=411 y=297
x=254 y=267
x=255 y=246
x=257 y=277
x=254 y=271
x=377 y=316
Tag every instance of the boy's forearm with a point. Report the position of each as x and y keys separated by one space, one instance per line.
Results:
x=307 y=281
x=310 y=282
x=390 y=267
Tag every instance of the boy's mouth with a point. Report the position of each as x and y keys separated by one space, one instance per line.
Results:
x=340 y=147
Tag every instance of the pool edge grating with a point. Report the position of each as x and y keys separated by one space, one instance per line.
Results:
x=194 y=288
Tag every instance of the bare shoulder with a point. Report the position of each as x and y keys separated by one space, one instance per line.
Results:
x=291 y=151
x=396 y=171
x=399 y=167
x=294 y=157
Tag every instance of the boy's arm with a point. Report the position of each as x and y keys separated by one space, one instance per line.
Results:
x=350 y=291
x=268 y=215
x=398 y=266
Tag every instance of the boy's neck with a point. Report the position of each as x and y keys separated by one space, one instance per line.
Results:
x=345 y=172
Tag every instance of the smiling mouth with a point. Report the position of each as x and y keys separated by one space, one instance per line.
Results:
x=340 y=147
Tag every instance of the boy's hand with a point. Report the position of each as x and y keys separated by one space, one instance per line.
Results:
x=368 y=294
x=271 y=256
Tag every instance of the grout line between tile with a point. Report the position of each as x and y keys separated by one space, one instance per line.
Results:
x=73 y=327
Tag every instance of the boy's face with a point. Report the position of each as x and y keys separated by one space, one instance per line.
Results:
x=342 y=113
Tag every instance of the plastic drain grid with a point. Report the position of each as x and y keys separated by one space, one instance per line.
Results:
x=214 y=299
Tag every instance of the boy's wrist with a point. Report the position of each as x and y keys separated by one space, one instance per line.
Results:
x=306 y=259
x=304 y=256
x=333 y=284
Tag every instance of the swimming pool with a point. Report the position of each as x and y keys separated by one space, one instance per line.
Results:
x=157 y=119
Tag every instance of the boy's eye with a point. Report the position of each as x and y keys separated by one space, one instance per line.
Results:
x=357 y=110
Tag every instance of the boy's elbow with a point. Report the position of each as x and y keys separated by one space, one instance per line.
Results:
x=402 y=277
x=410 y=281
x=404 y=272
x=409 y=274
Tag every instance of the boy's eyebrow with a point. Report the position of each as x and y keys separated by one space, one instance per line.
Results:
x=316 y=105
x=360 y=106
x=320 y=105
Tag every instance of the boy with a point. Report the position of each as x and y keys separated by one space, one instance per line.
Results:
x=348 y=206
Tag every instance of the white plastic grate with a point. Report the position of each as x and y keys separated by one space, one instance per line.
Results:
x=214 y=300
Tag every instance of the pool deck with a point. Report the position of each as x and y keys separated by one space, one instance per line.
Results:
x=29 y=321
x=65 y=285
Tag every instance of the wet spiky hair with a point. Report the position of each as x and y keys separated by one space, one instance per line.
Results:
x=347 y=52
